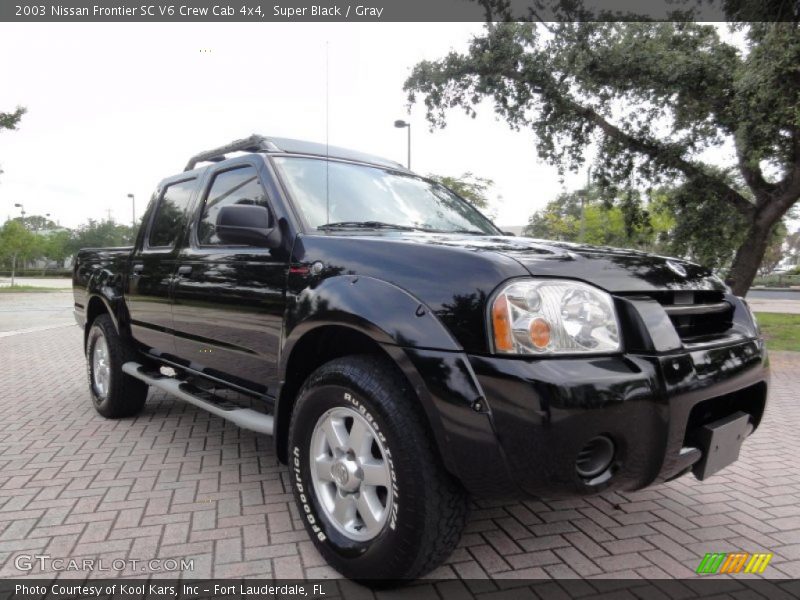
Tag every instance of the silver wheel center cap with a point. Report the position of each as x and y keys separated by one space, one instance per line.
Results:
x=345 y=475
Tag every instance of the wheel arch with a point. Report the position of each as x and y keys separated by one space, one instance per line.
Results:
x=350 y=314
x=328 y=341
x=96 y=306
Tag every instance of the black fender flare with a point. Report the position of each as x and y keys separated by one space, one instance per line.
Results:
x=382 y=310
x=391 y=317
x=105 y=287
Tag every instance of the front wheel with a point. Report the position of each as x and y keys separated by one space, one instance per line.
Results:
x=367 y=477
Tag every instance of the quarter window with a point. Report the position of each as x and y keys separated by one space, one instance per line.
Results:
x=237 y=186
x=170 y=214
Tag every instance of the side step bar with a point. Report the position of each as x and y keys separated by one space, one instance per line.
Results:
x=246 y=418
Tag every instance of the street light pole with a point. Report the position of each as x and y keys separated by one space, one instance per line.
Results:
x=408 y=145
x=22 y=212
x=400 y=124
x=133 y=209
x=14 y=256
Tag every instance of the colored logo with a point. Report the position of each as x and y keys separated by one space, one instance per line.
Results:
x=734 y=562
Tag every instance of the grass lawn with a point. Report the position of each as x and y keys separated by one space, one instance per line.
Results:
x=782 y=331
x=27 y=288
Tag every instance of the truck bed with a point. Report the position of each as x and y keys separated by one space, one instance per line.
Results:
x=98 y=267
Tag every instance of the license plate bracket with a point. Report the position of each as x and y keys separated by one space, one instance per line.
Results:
x=720 y=443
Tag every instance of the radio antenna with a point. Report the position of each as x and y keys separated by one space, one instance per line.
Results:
x=327 y=134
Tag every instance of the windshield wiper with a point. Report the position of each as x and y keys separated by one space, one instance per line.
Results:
x=364 y=225
x=470 y=231
x=382 y=225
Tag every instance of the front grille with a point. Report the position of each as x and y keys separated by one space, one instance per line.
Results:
x=697 y=315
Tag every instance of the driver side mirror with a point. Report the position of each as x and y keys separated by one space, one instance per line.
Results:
x=247 y=225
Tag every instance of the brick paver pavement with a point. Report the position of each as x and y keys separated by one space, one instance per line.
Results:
x=176 y=483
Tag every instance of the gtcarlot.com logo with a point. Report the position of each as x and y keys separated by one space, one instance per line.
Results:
x=45 y=562
x=734 y=562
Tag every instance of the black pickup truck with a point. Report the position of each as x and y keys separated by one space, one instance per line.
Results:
x=405 y=354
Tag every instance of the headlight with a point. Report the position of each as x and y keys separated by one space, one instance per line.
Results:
x=553 y=316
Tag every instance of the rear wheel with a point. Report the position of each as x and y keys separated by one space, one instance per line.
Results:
x=367 y=477
x=114 y=393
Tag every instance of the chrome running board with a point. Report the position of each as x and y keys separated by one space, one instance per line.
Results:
x=246 y=418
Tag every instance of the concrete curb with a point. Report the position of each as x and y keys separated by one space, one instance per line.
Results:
x=775 y=289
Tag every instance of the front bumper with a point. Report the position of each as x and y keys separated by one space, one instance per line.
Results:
x=543 y=412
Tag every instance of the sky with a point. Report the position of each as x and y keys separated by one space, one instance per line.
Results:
x=114 y=108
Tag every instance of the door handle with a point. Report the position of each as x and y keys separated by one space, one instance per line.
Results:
x=138 y=269
x=184 y=269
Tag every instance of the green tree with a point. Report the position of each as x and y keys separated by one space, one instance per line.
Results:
x=100 y=234
x=472 y=188
x=652 y=97
x=793 y=246
x=775 y=253
x=9 y=120
x=705 y=230
x=583 y=216
x=57 y=246
x=559 y=220
x=36 y=223
x=17 y=245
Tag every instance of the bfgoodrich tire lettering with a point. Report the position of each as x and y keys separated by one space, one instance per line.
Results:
x=114 y=393
x=427 y=507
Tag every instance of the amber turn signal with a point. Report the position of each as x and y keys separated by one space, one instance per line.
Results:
x=501 y=325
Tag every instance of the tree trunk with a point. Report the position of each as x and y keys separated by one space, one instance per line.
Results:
x=749 y=256
x=13 y=268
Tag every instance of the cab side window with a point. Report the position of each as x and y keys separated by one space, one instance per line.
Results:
x=237 y=186
x=170 y=214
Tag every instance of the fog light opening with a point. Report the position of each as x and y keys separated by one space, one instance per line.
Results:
x=595 y=457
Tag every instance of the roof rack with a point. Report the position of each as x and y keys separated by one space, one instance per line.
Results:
x=255 y=143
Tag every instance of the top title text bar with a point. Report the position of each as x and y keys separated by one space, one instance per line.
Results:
x=394 y=10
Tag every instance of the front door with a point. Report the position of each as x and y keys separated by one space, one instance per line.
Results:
x=229 y=300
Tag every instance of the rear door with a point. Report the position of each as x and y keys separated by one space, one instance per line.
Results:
x=152 y=266
x=229 y=300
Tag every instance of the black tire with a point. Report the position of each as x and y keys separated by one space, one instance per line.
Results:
x=121 y=395
x=429 y=509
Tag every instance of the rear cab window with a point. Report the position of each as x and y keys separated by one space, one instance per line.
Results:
x=170 y=215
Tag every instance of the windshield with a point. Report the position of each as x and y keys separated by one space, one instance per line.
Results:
x=372 y=197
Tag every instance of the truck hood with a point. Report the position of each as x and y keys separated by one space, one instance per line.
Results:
x=455 y=274
x=612 y=269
